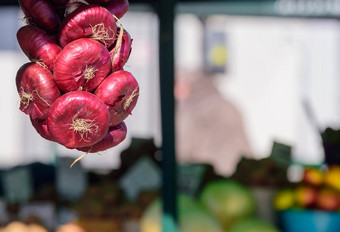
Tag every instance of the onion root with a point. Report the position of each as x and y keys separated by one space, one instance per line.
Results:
x=83 y=127
x=100 y=33
x=26 y=98
x=89 y=73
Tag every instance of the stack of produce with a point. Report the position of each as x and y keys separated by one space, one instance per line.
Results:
x=318 y=190
x=192 y=217
x=75 y=90
x=21 y=227
x=233 y=204
x=228 y=200
x=222 y=206
x=265 y=172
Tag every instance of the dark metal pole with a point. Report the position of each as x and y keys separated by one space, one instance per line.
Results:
x=166 y=68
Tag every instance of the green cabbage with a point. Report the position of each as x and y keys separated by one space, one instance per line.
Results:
x=228 y=200
x=192 y=217
x=252 y=225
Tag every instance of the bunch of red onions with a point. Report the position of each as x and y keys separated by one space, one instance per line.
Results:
x=74 y=88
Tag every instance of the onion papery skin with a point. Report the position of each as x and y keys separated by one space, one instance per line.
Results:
x=38 y=46
x=40 y=126
x=37 y=82
x=72 y=107
x=117 y=7
x=119 y=91
x=82 y=65
x=84 y=22
x=41 y=13
x=114 y=137
x=123 y=53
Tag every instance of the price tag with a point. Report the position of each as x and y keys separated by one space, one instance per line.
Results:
x=71 y=182
x=144 y=175
x=190 y=178
x=215 y=52
x=282 y=154
x=18 y=185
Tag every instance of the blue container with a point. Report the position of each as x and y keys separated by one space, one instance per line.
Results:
x=309 y=221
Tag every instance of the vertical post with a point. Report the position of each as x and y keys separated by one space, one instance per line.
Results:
x=166 y=68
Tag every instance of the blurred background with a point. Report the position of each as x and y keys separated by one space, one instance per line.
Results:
x=257 y=119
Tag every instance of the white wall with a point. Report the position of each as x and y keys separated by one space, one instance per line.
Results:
x=274 y=65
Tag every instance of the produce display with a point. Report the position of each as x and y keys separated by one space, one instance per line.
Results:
x=223 y=205
x=252 y=225
x=74 y=88
x=265 y=172
x=228 y=200
x=192 y=217
x=21 y=227
x=71 y=227
x=319 y=189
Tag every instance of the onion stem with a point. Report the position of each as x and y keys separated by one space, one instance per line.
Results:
x=39 y=62
x=128 y=101
x=120 y=37
x=79 y=158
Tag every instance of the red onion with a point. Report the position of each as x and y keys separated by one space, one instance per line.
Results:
x=59 y=2
x=114 y=137
x=25 y=7
x=123 y=52
x=72 y=5
x=119 y=91
x=40 y=126
x=117 y=7
x=78 y=119
x=38 y=46
x=41 y=13
x=82 y=65
x=37 y=90
x=99 y=1
x=89 y=21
